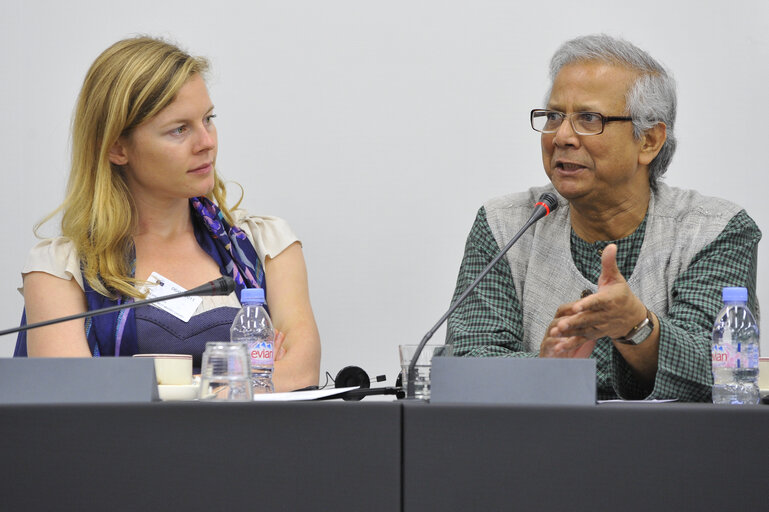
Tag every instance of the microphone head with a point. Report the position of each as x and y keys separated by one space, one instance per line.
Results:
x=550 y=201
x=225 y=285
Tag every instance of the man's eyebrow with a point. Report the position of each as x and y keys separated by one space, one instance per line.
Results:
x=577 y=108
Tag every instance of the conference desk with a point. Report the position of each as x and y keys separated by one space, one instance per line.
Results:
x=201 y=456
x=608 y=457
x=383 y=456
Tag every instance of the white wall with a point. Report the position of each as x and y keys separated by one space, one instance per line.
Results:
x=378 y=128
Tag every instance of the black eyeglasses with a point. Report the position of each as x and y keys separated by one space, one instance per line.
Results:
x=583 y=123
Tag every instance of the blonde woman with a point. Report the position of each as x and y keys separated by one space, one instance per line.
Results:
x=144 y=201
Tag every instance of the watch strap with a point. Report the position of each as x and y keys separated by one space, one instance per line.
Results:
x=640 y=332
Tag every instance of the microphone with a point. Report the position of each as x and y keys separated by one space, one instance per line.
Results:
x=547 y=203
x=225 y=285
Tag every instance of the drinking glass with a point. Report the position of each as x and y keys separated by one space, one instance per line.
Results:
x=225 y=372
x=424 y=363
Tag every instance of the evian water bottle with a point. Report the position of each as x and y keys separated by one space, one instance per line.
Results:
x=735 y=351
x=252 y=326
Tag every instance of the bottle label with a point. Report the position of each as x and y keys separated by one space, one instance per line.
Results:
x=262 y=355
x=724 y=356
x=728 y=355
x=749 y=357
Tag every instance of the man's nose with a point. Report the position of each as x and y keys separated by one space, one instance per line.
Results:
x=565 y=134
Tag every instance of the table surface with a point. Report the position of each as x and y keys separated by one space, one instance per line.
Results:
x=382 y=456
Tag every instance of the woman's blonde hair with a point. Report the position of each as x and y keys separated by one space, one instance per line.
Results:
x=130 y=82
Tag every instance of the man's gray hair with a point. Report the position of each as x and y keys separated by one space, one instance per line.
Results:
x=651 y=100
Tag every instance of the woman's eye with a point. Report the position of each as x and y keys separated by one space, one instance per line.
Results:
x=179 y=130
x=210 y=118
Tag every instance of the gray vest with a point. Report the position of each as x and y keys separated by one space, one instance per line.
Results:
x=679 y=224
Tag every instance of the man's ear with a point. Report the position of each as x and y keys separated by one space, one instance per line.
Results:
x=652 y=142
x=117 y=153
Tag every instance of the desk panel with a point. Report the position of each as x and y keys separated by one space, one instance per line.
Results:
x=607 y=457
x=208 y=457
x=347 y=456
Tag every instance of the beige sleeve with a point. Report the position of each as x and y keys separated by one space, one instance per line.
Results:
x=269 y=235
x=58 y=256
x=55 y=256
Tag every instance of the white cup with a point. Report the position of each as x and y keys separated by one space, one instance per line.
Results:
x=763 y=374
x=171 y=369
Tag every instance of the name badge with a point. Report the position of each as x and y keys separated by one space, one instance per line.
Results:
x=182 y=308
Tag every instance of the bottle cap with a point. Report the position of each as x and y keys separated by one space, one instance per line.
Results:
x=737 y=294
x=252 y=296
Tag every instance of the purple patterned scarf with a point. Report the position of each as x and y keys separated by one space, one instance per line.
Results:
x=115 y=333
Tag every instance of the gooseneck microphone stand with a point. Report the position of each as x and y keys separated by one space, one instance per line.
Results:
x=222 y=286
x=547 y=203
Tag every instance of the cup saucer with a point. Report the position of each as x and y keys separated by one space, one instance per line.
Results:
x=172 y=392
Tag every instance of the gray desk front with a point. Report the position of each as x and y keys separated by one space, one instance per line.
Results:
x=608 y=457
x=342 y=456
x=208 y=457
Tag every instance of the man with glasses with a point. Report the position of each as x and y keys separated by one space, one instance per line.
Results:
x=627 y=270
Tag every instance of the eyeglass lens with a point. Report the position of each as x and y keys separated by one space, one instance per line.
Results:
x=585 y=123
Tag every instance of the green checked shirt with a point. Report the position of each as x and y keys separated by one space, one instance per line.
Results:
x=490 y=321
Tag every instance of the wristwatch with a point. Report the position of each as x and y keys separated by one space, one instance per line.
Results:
x=640 y=332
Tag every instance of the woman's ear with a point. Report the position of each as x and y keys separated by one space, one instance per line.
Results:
x=118 y=154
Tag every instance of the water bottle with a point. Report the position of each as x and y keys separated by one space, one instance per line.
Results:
x=735 y=351
x=252 y=325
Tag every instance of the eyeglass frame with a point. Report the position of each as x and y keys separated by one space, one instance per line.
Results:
x=604 y=119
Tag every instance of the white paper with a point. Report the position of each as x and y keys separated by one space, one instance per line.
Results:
x=638 y=401
x=182 y=308
x=293 y=396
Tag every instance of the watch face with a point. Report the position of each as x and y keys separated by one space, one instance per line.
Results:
x=642 y=333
